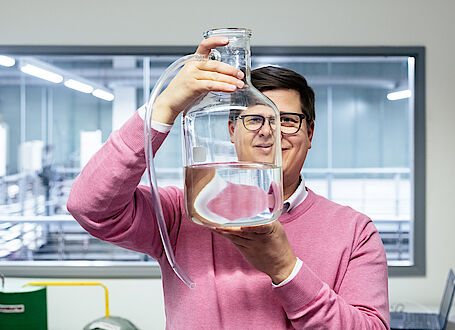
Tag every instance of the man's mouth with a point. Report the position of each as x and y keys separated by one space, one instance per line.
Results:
x=264 y=146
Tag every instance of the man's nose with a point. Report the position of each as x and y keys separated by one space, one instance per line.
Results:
x=267 y=128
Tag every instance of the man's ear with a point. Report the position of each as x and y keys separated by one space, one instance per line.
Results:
x=310 y=132
x=231 y=127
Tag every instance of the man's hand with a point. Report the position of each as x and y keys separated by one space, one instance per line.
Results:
x=265 y=247
x=195 y=79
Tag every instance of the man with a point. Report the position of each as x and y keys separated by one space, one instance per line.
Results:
x=321 y=266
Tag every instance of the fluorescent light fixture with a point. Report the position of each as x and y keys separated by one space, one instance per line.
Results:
x=79 y=86
x=404 y=94
x=41 y=73
x=7 y=61
x=103 y=94
x=55 y=74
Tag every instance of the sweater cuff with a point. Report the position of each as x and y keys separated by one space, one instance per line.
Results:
x=300 y=291
x=295 y=271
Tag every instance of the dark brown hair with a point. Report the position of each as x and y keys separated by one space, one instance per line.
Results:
x=272 y=77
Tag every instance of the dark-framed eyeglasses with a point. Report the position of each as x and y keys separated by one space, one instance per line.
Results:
x=290 y=122
x=255 y=122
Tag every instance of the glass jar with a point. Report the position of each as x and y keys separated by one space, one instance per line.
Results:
x=232 y=148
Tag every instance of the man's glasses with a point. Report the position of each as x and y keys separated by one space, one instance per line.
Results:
x=290 y=122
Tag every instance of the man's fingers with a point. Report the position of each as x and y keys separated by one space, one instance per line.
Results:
x=262 y=229
x=248 y=231
x=220 y=67
x=219 y=77
x=216 y=66
x=215 y=86
x=208 y=44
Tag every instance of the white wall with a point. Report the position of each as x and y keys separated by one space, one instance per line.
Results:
x=302 y=23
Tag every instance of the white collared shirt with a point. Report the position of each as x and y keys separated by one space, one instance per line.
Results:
x=298 y=196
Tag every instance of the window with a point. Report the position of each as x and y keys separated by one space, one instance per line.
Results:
x=368 y=149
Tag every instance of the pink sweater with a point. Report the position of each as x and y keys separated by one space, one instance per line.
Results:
x=341 y=285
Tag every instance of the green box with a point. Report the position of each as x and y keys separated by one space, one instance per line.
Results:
x=23 y=309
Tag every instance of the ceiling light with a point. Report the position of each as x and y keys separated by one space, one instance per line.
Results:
x=79 y=86
x=7 y=61
x=41 y=73
x=103 y=94
x=55 y=74
x=404 y=94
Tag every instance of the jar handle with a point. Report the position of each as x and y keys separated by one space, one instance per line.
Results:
x=151 y=168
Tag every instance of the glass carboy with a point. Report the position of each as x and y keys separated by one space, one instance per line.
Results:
x=232 y=148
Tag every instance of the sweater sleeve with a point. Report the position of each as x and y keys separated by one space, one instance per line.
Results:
x=361 y=302
x=105 y=197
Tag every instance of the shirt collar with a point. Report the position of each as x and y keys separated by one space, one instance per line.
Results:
x=298 y=196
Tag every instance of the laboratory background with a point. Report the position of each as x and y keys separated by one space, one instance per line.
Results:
x=383 y=143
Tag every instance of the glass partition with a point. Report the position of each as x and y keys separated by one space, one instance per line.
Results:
x=363 y=153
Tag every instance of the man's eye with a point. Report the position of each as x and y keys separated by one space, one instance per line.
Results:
x=288 y=120
x=255 y=120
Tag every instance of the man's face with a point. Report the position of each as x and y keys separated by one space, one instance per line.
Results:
x=254 y=145
x=258 y=146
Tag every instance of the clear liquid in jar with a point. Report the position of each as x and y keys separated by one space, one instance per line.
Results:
x=233 y=194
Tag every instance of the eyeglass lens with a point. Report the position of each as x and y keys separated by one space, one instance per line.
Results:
x=290 y=123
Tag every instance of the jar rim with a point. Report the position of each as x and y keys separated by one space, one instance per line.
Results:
x=227 y=32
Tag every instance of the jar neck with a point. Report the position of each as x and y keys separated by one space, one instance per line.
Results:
x=237 y=52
